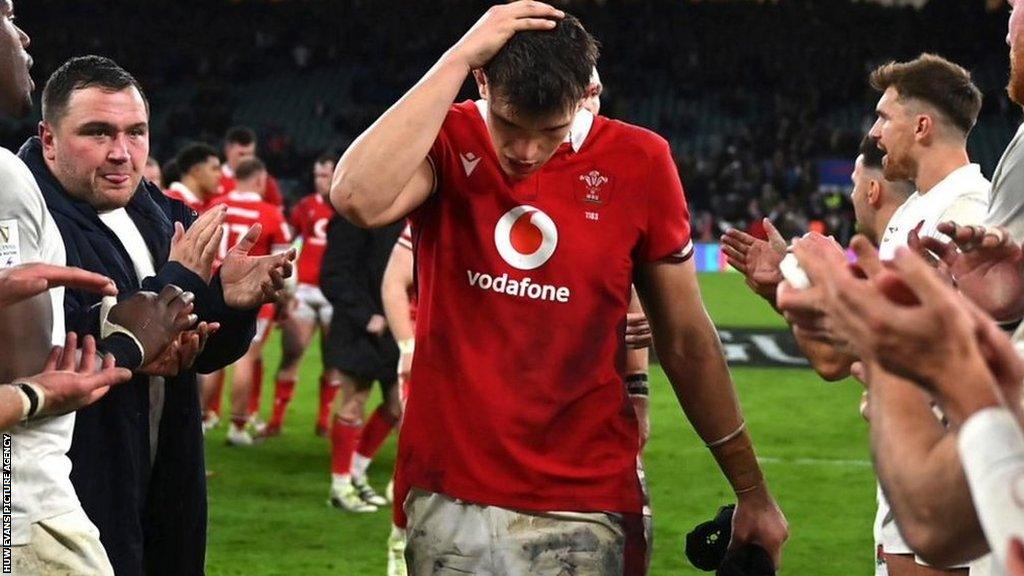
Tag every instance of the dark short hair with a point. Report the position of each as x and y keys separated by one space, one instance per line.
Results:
x=871 y=152
x=937 y=81
x=249 y=168
x=83 y=72
x=541 y=72
x=240 y=135
x=170 y=171
x=192 y=155
x=326 y=157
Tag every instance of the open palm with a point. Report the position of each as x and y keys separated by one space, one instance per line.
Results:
x=251 y=281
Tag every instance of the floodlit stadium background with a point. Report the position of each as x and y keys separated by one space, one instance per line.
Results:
x=764 y=104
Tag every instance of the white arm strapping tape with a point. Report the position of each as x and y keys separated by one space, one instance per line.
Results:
x=992 y=452
x=108 y=328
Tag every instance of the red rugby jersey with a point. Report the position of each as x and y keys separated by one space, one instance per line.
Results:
x=523 y=292
x=271 y=193
x=309 y=219
x=179 y=191
x=244 y=210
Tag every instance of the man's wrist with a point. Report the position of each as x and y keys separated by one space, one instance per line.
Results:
x=33 y=398
x=959 y=401
x=735 y=456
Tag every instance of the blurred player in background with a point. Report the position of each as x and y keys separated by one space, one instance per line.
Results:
x=199 y=175
x=152 y=172
x=240 y=145
x=245 y=209
x=310 y=310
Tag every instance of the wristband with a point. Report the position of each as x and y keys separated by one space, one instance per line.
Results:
x=108 y=328
x=636 y=385
x=728 y=437
x=32 y=399
x=407 y=345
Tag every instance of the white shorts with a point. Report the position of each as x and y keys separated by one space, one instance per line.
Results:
x=449 y=537
x=313 y=306
x=65 y=544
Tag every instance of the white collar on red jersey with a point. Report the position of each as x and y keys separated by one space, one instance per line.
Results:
x=245 y=196
x=578 y=132
x=185 y=192
x=226 y=170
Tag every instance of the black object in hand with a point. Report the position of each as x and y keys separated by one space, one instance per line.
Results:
x=748 y=560
x=707 y=543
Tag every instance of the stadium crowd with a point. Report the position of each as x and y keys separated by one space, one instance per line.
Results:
x=130 y=285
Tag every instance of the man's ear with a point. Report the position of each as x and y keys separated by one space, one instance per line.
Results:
x=481 y=83
x=874 y=193
x=47 y=137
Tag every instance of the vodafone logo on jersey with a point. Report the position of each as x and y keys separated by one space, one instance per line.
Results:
x=526 y=238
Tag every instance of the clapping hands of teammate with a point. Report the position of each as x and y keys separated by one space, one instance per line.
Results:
x=638 y=331
x=497 y=25
x=377 y=325
x=197 y=247
x=70 y=381
x=807 y=310
x=28 y=280
x=250 y=281
x=156 y=320
x=986 y=265
x=758 y=260
x=182 y=352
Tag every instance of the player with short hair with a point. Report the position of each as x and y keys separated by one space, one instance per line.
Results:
x=153 y=173
x=541 y=215
x=199 y=176
x=309 y=219
x=246 y=209
x=240 y=145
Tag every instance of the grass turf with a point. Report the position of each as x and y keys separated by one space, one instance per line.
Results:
x=268 y=512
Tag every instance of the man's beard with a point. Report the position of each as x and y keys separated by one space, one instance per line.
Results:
x=1016 y=86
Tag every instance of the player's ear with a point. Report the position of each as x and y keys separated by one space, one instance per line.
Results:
x=925 y=128
x=874 y=193
x=481 y=83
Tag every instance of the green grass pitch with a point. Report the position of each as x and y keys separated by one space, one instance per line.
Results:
x=268 y=512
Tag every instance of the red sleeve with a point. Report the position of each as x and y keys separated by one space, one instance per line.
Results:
x=668 y=218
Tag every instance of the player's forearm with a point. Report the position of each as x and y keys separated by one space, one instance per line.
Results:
x=11 y=407
x=827 y=360
x=383 y=159
x=991 y=447
x=396 y=310
x=919 y=469
x=637 y=361
x=695 y=364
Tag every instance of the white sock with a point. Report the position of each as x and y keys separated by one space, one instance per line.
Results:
x=339 y=481
x=359 y=465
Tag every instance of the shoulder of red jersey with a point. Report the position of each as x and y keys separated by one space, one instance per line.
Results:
x=606 y=131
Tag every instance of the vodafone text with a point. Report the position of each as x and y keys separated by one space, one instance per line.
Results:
x=524 y=288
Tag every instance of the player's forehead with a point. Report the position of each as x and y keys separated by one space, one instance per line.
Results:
x=117 y=108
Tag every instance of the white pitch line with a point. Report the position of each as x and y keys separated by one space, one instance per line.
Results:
x=815 y=461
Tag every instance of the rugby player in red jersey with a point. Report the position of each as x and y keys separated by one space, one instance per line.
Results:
x=200 y=176
x=526 y=246
x=245 y=209
x=311 y=309
x=239 y=146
